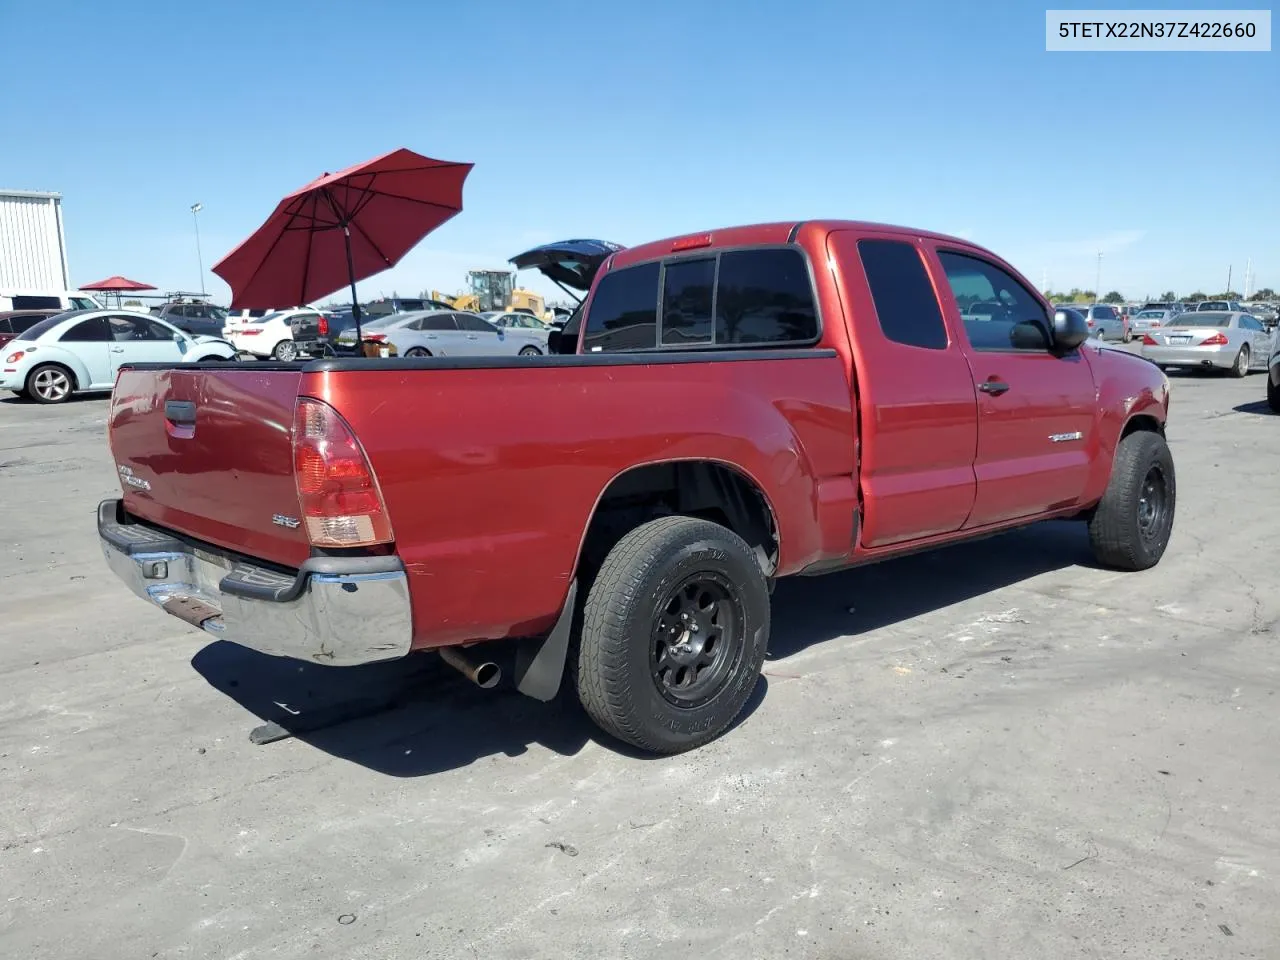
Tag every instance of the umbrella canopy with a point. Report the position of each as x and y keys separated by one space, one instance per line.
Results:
x=116 y=284
x=341 y=228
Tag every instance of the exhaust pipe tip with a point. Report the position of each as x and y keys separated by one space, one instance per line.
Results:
x=486 y=675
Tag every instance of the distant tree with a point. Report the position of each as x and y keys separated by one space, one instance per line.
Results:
x=1229 y=295
x=1113 y=297
x=1266 y=293
x=1168 y=295
x=1195 y=297
x=132 y=303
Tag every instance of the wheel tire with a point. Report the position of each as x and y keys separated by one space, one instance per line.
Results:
x=1273 y=394
x=1128 y=336
x=646 y=575
x=1130 y=527
x=417 y=352
x=50 y=383
x=530 y=351
x=285 y=351
x=1241 y=367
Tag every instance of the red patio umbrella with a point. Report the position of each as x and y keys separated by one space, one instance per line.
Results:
x=343 y=227
x=117 y=285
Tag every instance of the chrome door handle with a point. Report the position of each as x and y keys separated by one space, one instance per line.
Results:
x=117 y=349
x=994 y=387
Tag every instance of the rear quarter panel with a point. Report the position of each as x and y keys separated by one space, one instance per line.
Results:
x=491 y=474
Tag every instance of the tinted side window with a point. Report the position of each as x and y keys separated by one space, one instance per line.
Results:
x=442 y=321
x=624 y=311
x=5 y=325
x=473 y=324
x=764 y=296
x=686 y=301
x=37 y=303
x=1002 y=314
x=95 y=330
x=1104 y=313
x=904 y=298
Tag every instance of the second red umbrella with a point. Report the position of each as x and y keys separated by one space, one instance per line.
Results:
x=341 y=228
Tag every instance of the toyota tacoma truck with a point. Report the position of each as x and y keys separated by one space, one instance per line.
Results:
x=725 y=408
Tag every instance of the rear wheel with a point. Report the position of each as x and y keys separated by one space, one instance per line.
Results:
x=285 y=350
x=1273 y=394
x=417 y=352
x=50 y=383
x=530 y=352
x=1241 y=367
x=674 y=634
x=1130 y=527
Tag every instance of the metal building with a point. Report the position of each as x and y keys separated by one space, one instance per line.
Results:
x=33 y=247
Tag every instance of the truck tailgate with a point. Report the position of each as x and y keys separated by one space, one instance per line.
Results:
x=209 y=453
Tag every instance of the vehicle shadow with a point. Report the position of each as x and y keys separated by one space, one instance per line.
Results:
x=406 y=718
x=1254 y=406
x=417 y=716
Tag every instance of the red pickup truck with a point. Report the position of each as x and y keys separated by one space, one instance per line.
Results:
x=725 y=409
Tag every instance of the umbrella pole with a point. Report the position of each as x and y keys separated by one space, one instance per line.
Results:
x=351 y=274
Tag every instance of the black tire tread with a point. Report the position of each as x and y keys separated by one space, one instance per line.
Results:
x=1235 y=367
x=603 y=679
x=1273 y=394
x=1112 y=526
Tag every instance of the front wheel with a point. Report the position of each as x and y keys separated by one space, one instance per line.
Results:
x=50 y=383
x=1241 y=367
x=1130 y=527
x=417 y=352
x=674 y=634
x=530 y=352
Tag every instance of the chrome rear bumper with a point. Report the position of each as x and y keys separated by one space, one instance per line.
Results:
x=338 y=611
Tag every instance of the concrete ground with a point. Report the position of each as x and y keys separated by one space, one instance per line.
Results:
x=996 y=750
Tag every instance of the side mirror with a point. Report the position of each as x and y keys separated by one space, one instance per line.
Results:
x=1069 y=330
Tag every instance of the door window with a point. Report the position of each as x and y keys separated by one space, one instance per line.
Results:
x=93 y=330
x=436 y=322
x=999 y=313
x=905 y=302
x=473 y=324
x=624 y=311
x=138 y=328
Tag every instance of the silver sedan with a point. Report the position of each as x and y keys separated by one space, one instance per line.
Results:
x=444 y=333
x=1234 y=341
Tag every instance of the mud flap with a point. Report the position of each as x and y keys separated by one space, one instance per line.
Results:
x=540 y=661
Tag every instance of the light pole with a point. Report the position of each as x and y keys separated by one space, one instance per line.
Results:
x=1097 y=286
x=195 y=209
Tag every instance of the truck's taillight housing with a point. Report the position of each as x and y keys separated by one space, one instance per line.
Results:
x=1217 y=340
x=323 y=326
x=341 y=503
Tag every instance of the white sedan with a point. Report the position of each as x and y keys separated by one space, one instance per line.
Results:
x=81 y=351
x=281 y=335
x=1236 y=342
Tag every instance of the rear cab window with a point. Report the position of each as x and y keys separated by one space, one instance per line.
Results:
x=753 y=297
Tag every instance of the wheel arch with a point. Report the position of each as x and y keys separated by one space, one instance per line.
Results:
x=715 y=490
x=80 y=379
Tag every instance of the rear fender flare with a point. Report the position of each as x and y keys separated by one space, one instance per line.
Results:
x=63 y=358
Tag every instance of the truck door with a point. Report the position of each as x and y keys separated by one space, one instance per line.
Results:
x=1036 y=408
x=917 y=406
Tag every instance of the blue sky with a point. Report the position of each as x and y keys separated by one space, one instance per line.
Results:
x=631 y=122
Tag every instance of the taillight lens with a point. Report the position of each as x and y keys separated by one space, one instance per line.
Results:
x=341 y=503
x=1149 y=340
x=249 y=333
x=15 y=357
x=1217 y=340
x=375 y=337
x=324 y=326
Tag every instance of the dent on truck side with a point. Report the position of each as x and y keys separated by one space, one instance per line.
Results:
x=490 y=509
x=1132 y=393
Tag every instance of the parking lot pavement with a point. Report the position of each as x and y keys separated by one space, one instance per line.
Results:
x=996 y=750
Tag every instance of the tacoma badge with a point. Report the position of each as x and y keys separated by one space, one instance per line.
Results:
x=280 y=520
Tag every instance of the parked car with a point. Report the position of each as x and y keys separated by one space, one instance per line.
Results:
x=1105 y=323
x=12 y=299
x=82 y=351
x=385 y=305
x=200 y=318
x=1219 y=306
x=1172 y=306
x=446 y=333
x=375 y=329
x=282 y=335
x=14 y=322
x=1265 y=312
x=704 y=441
x=1145 y=320
x=1234 y=341
x=518 y=321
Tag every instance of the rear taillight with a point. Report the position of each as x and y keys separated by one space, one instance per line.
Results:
x=376 y=337
x=249 y=333
x=15 y=357
x=1217 y=340
x=324 y=327
x=1149 y=341
x=341 y=503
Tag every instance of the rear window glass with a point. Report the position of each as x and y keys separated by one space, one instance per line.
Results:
x=1104 y=313
x=905 y=302
x=686 y=301
x=764 y=296
x=624 y=311
x=1204 y=320
x=1214 y=305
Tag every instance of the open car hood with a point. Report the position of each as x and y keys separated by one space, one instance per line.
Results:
x=570 y=263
